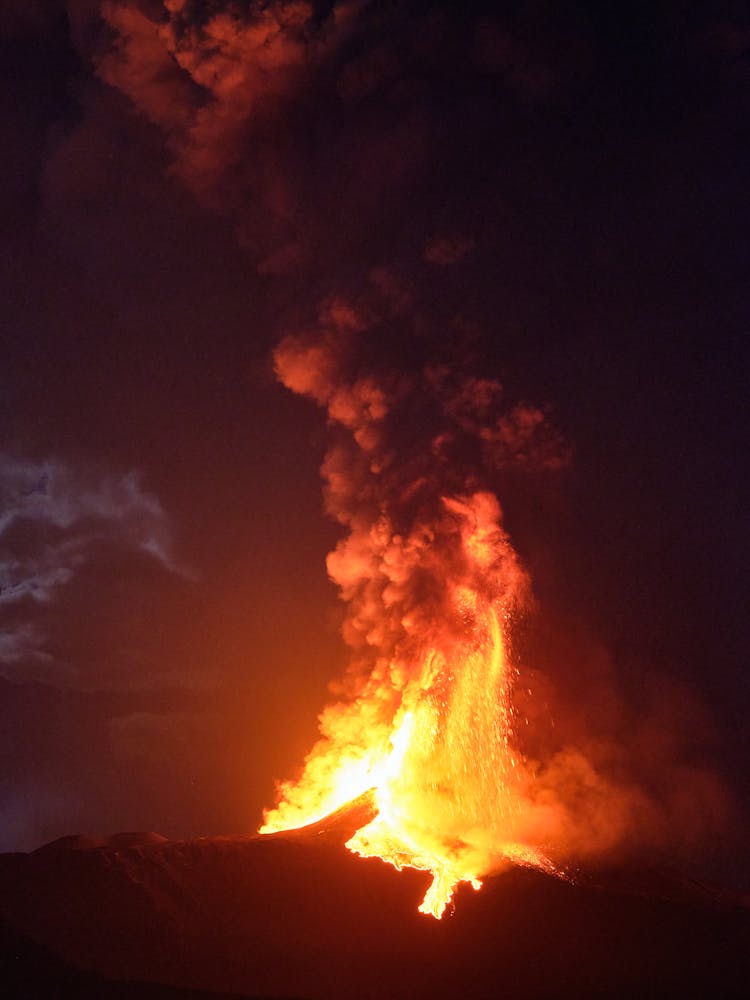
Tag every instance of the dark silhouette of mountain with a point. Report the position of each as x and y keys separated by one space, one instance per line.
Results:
x=30 y=972
x=296 y=915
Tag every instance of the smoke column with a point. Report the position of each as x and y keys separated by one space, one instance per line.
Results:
x=313 y=131
x=432 y=585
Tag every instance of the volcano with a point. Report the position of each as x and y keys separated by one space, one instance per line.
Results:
x=295 y=915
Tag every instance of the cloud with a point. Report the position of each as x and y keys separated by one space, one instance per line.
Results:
x=52 y=520
x=23 y=643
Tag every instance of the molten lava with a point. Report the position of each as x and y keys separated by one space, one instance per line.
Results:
x=427 y=726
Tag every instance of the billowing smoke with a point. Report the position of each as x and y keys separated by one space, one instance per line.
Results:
x=229 y=84
x=419 y=451
x=618 y=767
x=311 y=125
x=407 y=477
x=268 y=116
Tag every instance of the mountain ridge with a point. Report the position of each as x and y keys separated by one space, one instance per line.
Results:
x=295 y=914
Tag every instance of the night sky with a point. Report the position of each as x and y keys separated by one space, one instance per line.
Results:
x=555 y=194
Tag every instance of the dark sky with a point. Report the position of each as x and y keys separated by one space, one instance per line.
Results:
x=558 y=191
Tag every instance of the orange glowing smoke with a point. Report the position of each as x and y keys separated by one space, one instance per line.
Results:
x=432 y=583
x=432 y=738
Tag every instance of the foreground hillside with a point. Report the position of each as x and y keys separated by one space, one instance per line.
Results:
x=299 y=916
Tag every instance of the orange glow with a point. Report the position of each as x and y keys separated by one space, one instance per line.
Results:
x=429 y=726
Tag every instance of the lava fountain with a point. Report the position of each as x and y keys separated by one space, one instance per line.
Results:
x=432 y=584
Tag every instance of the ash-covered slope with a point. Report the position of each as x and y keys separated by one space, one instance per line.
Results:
x=296 y=915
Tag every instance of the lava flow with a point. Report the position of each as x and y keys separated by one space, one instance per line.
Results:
x=432 y=583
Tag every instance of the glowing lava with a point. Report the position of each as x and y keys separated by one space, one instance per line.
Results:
x=430 y=727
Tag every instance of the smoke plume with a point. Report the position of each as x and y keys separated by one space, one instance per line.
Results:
x=419 y=453
x=268 y=117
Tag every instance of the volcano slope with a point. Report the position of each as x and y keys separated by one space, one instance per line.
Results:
x=296 y=915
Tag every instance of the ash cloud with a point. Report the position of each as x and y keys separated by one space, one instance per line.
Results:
x=221 y=81
x=285 y=119
x=287 y=115
x=610 y=769
x=387 y=469
x=510 y=184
